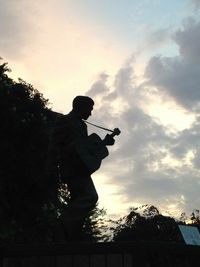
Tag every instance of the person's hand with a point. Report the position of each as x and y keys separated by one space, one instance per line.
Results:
x=109 y=140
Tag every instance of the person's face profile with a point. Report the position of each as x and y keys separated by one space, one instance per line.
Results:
x=86 y=111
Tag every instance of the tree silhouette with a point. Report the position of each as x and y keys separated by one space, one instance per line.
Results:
x=25 y=190
x=96 y=225
x=146 y=225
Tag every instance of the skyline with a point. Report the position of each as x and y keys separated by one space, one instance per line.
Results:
x=140 y=63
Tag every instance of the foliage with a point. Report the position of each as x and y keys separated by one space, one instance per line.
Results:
x=24 y=134
x=192 y=219
x=96 y=225
x=146 y=223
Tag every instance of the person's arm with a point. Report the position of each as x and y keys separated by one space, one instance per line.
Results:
x=108 y=140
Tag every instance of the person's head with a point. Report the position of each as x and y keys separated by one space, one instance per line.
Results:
x=83 y=106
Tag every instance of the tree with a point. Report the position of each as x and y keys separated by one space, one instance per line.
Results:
x=146 y=223
x=24 y=133
x=96 y=225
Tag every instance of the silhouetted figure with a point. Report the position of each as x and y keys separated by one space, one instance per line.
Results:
x=79 y=155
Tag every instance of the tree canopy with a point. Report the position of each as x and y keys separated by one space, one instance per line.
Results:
x=148 y=224
x=24 y=134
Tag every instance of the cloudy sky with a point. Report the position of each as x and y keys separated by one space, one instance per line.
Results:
x=140 y=62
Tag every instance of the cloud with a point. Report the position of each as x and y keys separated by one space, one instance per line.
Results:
x=179 y=76
x=142 y=142
x=158 y=38
x=196 y=4
x=99 y=86
x=188 y=40
x=15 y=27
x=149 y=163
x=56 y=47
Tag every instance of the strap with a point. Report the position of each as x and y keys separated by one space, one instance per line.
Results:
x=98 y=126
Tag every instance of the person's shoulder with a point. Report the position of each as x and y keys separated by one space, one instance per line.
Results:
x=60 y=120
x=69 y=119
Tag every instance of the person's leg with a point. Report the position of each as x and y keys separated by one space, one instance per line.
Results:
x=83 y=199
